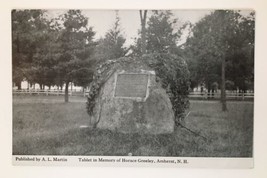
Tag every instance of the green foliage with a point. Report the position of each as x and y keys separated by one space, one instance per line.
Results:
x=112 y=46
x=223 y=34
x=76 y=48
x=28 y=32
x=171 y=72
x=161 y=36
x=136 y=48
x=52 y=51
x=229 y=85
x=163 y=33
x=45 y=58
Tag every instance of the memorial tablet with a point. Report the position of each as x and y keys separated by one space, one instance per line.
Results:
x=131 y=85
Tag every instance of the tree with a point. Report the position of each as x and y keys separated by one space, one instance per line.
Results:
x=34 y=48
x=112 y=46
x=76 y=48
x=215 y=40
x=240 y=64
x=46 y=56
x=161 y=35
x=27 y=34
x=50 y=52
x=143 y=17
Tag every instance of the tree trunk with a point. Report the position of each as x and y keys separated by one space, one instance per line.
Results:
x=18 y=84
x=143 y=31
x=40 y=86
x=67 y=92
x=212 y=92
x=223 y=94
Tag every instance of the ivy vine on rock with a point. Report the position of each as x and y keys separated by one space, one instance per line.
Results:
x=171 y=72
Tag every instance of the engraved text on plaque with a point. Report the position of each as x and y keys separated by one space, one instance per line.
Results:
x=131 y=85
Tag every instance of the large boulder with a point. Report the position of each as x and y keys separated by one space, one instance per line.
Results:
x=147 y=94
x=132 y=101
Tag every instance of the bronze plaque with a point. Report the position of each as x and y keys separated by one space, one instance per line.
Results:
x=131 y=85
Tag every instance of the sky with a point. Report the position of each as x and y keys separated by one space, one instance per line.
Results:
x=103 y=20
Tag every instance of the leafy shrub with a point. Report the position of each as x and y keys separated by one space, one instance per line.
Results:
x=172 y=73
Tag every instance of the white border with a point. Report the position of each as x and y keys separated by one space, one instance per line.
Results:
x=133 y=161
x=260 y=121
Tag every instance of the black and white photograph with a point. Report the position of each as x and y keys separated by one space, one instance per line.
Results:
x=148 y=86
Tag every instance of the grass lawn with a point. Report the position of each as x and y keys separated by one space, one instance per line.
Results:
x=44 y=125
